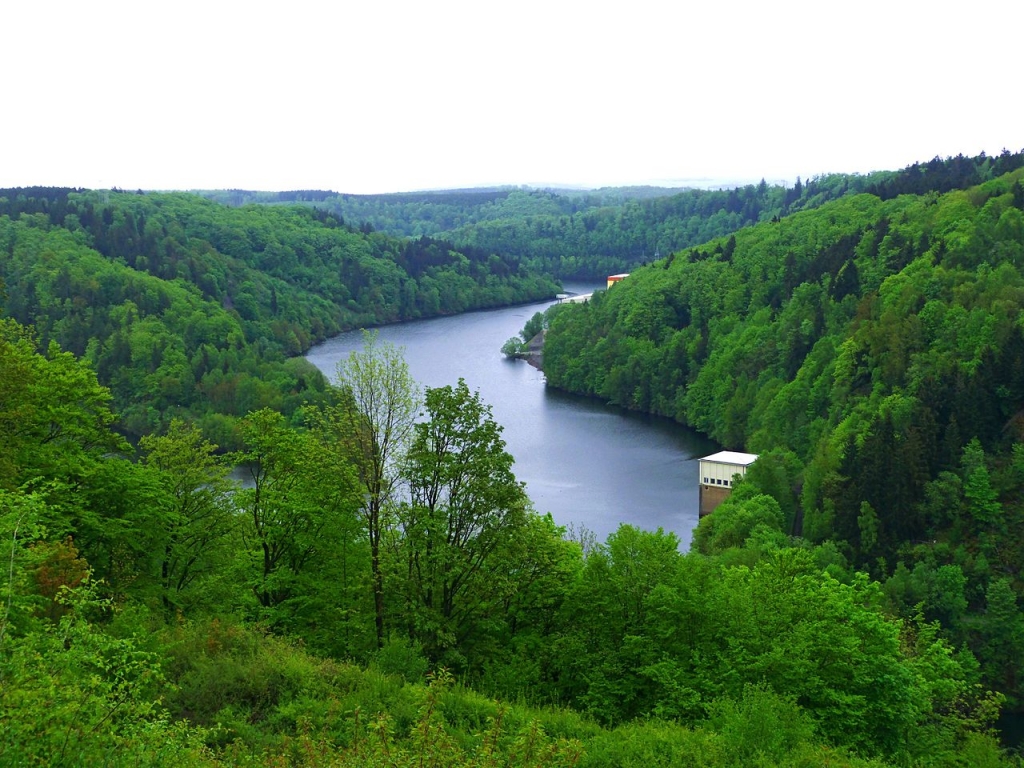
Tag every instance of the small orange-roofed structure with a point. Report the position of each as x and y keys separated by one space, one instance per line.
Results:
x=613 y=279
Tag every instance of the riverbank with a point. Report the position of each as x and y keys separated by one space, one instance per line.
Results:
x=533 y=352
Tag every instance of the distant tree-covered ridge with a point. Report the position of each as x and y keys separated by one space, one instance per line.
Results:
x=185 y=305
x=432 y=213
x=591 y=234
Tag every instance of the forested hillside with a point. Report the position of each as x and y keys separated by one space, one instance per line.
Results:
x=155 y=613
x=184 y=306
x=595 y=243
x=415 y=214
x=574 y=235
x=589 y=235
x=872 y=351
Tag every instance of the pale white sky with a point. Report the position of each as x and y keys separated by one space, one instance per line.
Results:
x=395 y=95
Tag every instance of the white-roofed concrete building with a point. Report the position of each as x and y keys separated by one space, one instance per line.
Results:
x=716 y=476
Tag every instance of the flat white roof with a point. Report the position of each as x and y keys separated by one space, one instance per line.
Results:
x=732 y=457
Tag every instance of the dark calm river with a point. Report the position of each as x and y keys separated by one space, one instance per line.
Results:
x=584 y=462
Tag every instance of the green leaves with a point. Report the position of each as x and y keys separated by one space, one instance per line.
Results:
x=736 y=519
x=200 y=518
x=373 y=418
x=83 y=697
x=513 y=347
x=466 y=505
x=55 y=417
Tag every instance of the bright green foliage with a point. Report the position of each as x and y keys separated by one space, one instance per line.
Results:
x=760 y=728
x=282 y=525
x=939 y=591
x=779 y=473
x=21 y=516
x=55 y=418
x=982 y=501
x=198 y=518
x=513 y=347
x=652 y=633
x=867 y=524
x=517 y=346
x=876 y=342
x=271 y=701
x=736 y=520
x=762 y=347
x=431 y=744
x=298 y=520
x=597 y=657
x=533 y=326
x=376 y=405
x=786 y=625
x=76 y=696
x=466 y=508
x=59 y=444
x=536 y=569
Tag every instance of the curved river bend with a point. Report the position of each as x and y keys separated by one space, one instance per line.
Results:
x=586 y=463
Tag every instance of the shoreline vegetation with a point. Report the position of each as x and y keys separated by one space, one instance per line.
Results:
x=530 y=350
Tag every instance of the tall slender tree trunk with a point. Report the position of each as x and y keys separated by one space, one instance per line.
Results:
x=378 y=588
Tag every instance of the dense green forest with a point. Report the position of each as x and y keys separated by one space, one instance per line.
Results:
x=187 y=307
x=872 y=352
x=382 y=594
x=381 y=591
x=592 y=234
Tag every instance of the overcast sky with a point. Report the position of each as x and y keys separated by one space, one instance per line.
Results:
x=382 y=96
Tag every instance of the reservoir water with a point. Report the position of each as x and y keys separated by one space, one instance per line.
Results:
x=586 y=463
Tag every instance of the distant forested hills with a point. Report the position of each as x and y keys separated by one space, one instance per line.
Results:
x=185 y=305
x=432 y=213
x=590 y=234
